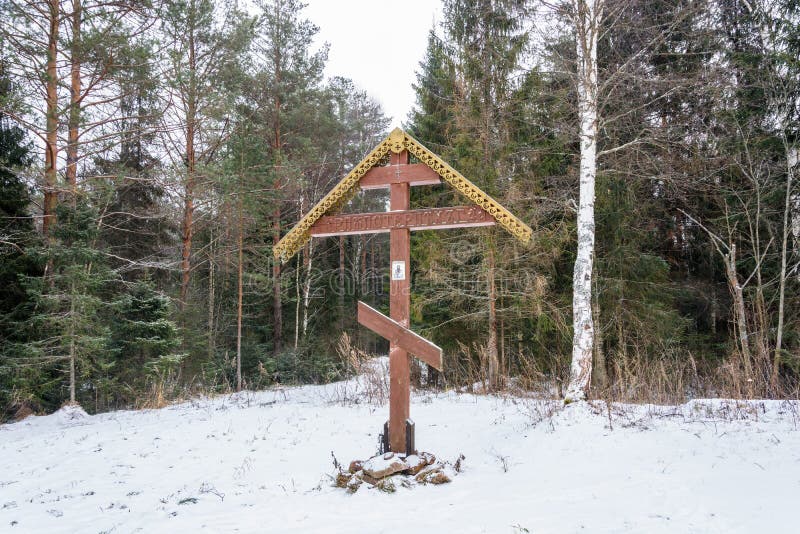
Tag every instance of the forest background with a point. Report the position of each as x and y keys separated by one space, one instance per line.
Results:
x=153 y=152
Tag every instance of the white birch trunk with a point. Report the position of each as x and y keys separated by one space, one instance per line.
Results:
x=308 y=258
x=587 y=15
x=791 y=161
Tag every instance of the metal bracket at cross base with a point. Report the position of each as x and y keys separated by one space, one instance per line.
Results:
x=384 y=438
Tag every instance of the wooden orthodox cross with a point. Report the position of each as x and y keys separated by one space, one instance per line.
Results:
x=399 y=221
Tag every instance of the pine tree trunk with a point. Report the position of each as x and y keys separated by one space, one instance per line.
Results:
x=51 y=136
x=277 y=304
x=239 y=295
x=587 y=26
x=191 y=162
x=74 y=99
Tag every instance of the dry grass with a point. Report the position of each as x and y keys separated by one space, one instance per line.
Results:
x=371 y=383
x=669 y=378
x=673 y=376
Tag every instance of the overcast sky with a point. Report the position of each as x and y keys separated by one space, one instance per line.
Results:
x=376 y=44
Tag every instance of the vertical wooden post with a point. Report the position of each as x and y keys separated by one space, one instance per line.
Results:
x=399 y=304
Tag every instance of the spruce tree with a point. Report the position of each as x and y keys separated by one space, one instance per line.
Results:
x=471 y=94
x=142 y=341
x=135 y=227
x=17 y=236
x=67 y=332
x=432 y=119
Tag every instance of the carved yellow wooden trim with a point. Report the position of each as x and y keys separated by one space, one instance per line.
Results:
x=397 y=141
x=336 y=198
x=504 y=218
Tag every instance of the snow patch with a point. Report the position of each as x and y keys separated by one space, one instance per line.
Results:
x=261 y=462
x=71 y=413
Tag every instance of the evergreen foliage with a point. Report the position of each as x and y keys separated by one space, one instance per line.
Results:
x=142 y=337
x=17 y=235
x=67 y=332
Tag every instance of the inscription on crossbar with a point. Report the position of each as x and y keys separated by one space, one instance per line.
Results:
x=425 y=219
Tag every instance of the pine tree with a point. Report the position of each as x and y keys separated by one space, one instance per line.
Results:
x=205 y=43
x=285 y=95
x=67 y=56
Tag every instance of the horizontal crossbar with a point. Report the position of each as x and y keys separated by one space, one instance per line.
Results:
x=412 y=174
x=426 y=219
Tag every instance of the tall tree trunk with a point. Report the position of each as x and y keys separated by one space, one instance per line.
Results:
x=374 y=284
x=741 y=317
x=211 y=293
x=239 y=295
x=307 y=264
x=297 y=304
x=72 y=352
x=587 y=15
x=51 y=136
x=505 y=366
x=277 y=305
x=599 y=373
x=761 y=329
x=599 y=369
x=191 y=162
x=363 y=273
x=297 y=285
x=492 y=361
x=341 y=282
x=776 y=361
x=74 y=99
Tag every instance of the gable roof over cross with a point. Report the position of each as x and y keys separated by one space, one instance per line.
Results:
x=396 y=142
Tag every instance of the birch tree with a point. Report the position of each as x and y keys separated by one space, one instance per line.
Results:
x=587 y=17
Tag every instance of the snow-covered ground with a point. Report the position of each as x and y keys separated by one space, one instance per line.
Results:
x=261 y=462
